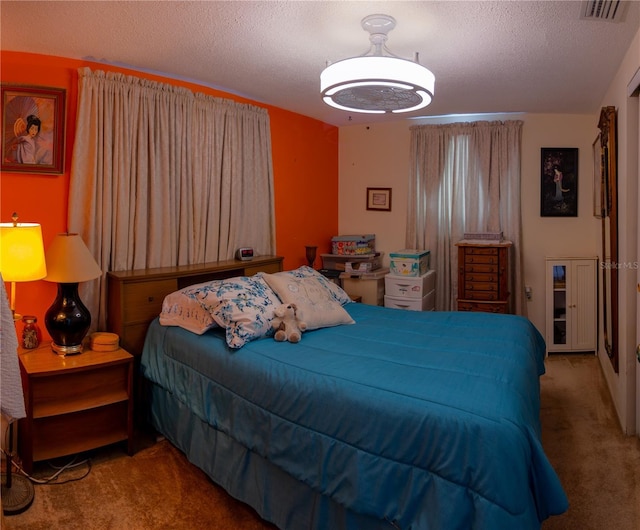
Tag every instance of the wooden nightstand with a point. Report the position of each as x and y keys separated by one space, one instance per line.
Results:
x=74 y=403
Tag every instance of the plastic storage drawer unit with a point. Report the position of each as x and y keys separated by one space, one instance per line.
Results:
x=410 y=287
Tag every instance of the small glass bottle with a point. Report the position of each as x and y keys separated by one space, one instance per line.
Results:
x=31 y=334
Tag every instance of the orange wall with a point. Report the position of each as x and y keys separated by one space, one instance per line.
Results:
x=305 y=165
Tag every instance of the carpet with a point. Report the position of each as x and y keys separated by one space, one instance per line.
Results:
x=598 y=465
x=157 y=488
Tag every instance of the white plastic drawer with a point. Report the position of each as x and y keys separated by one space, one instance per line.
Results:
x=401 y=286
x=426 y=303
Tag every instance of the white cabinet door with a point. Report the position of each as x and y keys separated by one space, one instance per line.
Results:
x=571 y=304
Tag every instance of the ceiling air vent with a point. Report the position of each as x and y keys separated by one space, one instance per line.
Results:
x=609 y=10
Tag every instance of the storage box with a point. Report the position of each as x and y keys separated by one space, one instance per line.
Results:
x=369 y=286
x=409 y=262
x=103 y=341
x=353 y=245
x=410 y=287
x=339 y=262
x=426 y=303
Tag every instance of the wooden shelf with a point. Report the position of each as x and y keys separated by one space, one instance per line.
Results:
x=74 y=403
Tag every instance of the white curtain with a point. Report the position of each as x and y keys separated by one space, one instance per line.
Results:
x=162 y=176
x=465 y=177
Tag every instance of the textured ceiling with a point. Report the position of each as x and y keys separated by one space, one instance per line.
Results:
x=488 y=57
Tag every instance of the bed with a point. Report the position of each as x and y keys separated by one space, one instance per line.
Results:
x=390 y=419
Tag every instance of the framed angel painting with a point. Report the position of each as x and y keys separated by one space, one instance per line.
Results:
x=33 y=123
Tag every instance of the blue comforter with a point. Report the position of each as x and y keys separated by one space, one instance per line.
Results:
x=427 y=420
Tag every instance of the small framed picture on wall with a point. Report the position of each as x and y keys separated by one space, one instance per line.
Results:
x=559 y=182
x=379 y=199
x=33 y=124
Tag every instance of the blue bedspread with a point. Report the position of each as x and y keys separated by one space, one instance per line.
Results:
x=426 y=419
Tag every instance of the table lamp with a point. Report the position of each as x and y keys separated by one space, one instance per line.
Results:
x=21 y=255
x=68 y=319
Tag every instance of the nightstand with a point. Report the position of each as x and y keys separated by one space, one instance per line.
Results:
x=74 y=403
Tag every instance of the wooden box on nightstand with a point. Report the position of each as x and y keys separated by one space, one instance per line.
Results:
x=74 y=403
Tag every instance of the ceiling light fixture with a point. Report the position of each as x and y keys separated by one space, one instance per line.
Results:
x=377 y=82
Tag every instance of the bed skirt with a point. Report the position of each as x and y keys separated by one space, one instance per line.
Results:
x=275 y=495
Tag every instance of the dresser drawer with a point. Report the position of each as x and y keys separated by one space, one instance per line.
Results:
x=483 y=307
x=481 y=251
x=473 y=293
x=143 y=300
x=416 y=287
x=487 y=259
x=482 y=277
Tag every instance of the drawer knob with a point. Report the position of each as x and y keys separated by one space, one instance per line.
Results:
x=151 y=299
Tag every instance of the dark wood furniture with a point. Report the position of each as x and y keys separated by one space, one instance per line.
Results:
x=135 y=297
x=483 y=276
x=74 y=403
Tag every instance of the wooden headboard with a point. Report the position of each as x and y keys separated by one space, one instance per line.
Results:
x=134 y=298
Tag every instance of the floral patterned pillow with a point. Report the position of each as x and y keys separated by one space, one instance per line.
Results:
x=245 y=309
x=185 y=308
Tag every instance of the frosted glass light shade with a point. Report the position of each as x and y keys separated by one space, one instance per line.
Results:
x=21 y=252
x=377 y=84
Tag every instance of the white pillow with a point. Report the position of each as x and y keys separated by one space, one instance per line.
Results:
x=336 y=292
x=315 y=304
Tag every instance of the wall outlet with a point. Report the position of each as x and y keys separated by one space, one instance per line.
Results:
x=528 y=291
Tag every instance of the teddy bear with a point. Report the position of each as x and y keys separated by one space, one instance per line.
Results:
x=286 y=324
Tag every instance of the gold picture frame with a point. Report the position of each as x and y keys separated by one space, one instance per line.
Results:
x=609 y=224
x=33 y=127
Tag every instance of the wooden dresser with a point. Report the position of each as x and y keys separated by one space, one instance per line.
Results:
x=483 y=276
x=135 y=297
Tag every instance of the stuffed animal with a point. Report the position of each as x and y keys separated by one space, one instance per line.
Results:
x=286 y=324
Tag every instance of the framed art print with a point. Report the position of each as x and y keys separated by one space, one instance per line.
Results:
x=379 y=199
x=33 y=129
x=559 y=182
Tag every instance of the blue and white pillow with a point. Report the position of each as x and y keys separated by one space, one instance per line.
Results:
x=245 y=309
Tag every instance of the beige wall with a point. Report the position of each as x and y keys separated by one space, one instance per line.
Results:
x=626 y=394
x=378 y=155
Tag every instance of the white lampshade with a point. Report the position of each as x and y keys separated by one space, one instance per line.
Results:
x=21 y=252
x=69 y=260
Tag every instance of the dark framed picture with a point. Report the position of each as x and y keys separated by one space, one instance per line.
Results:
x=33 y=129
x=379 y=199
x=559 y=182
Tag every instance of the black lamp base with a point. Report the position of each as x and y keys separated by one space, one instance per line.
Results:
x=67 y=320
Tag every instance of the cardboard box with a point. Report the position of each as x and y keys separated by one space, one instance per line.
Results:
x=353 y=245
x=369 y=286
x=409 y=262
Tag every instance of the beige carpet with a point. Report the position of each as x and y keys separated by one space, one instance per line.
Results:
x=158 y=489
x=599 y=466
